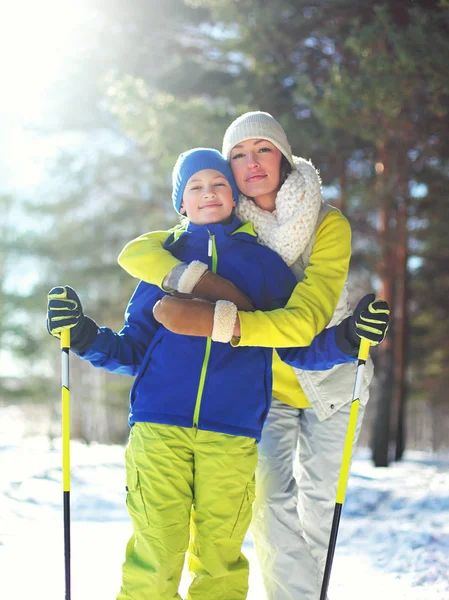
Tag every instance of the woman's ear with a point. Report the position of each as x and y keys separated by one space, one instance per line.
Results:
x=182 y=210
x=234 y=203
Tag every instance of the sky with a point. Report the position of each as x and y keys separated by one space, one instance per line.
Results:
x=393 y=540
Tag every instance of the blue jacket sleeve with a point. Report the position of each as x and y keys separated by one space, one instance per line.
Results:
x=322 y=354
x=123 y=352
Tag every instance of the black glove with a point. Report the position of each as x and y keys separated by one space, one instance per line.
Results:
x=64 y=311
x=370 y=320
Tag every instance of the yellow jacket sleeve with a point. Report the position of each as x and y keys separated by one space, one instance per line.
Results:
x=314 y=299
x=146 y=258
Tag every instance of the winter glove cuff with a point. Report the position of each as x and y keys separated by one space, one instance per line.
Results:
x=346 y=338
x=83 y=335
x=225 y=314
x=190 y=276
x=171 y=280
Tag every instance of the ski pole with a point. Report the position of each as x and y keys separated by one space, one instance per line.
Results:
x=345 y=464
x=65 y=345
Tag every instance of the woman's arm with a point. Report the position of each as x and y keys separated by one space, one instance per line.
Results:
x=146 y=258
x=313 y=302
x=308 y=310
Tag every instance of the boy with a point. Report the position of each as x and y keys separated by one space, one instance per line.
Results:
x=197 y=407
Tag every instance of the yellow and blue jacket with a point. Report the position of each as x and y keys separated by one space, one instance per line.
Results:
x=191 y=381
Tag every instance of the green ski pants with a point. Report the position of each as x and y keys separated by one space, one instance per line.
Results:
x=192 y=490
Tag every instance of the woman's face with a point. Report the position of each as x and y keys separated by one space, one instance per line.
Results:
x=256 y=167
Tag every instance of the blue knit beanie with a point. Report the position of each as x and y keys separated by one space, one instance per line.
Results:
x=195 y=160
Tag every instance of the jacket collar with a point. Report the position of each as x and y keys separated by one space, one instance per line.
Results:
x=234 y=228
x=215 y=228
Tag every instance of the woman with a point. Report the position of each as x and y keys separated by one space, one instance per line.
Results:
x=306 y=426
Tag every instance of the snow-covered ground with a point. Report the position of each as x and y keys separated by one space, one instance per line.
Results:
x=393 y=539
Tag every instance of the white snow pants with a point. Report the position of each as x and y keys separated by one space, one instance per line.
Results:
x=296 y=483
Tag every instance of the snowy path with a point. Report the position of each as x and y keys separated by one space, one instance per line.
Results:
x=393 y=538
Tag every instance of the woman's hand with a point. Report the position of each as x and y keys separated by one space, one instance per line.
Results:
x=370 y=321
x=236 y=332
x=213 y=287
x=196 y=279
x=197 y=317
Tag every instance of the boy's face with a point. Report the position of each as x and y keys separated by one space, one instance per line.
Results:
x=207 y=198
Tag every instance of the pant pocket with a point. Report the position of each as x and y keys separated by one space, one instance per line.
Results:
x=134 y=500
x=244 y=515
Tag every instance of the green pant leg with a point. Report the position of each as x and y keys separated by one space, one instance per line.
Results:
x=223 y=497
x=159 y=477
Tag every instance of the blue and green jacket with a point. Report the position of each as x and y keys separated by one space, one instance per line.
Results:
x=194 y=382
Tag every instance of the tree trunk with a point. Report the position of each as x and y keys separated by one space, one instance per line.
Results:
x=400 y=318
x=382 y=422
x=343 y=183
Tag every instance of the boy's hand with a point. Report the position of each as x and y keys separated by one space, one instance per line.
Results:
x=64 y=311
x=371 y=319
x=197 y=317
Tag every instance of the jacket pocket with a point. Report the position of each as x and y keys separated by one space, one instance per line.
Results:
x=144 y=367
x=244 y=515
x=134 y=500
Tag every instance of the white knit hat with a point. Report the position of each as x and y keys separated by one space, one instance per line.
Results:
x=260 y=125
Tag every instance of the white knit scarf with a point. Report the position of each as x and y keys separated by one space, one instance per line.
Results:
x=288 y=229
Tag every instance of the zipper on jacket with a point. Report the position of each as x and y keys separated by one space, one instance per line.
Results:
x=211 y=251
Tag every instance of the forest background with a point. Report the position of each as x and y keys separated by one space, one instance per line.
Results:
x=99 y=98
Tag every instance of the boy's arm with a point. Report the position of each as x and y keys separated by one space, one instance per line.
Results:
x=120 y=352
x=322 y=354
x=123 y=352
x=340 y=344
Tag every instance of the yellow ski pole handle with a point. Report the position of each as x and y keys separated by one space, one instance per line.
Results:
x=364 y=349
x=352 y=423
x=65 y=399
x=345 y=463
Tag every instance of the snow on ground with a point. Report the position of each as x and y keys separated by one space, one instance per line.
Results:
x=393 y=539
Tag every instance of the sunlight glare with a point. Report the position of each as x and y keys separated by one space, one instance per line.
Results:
x=35 y=40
